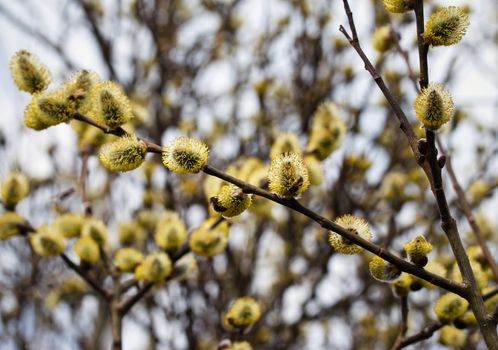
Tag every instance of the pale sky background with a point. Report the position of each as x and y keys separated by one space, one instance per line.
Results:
x=475 y=89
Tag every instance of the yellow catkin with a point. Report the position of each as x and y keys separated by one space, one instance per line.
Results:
x=28 y=73
x=47 y=109
x=9 y=224
x=288 y=176
x=96 y=230
x=450 y=306
x=446 y=26
x=185 y=155
x=130 y=232
x=110 y=105
x=396 y=6
x=211 y=238
x=285 y=143
x=127 y=259
x=125 y=154
x=243 y=313
x=382 y=270
x=356 y=226
x=87 y=250
x=171 y=231
x=47 y=241
x=155 y=268
x=231 y=201
x=184 y=267
x=14 y=188
x=452 y=337
x=417 y=250
x=70 y=224
x=401 y=287
x=327 y=131
x=434 y=106
x=382 y=39
x=241 y=345
x=78 y=89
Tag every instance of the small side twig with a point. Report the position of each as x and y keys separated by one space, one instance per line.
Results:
x=403 y=328
x=82 y=273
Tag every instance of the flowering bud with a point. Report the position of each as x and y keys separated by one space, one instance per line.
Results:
x=434 y=106
x=96 y=230
x=417 y=250
x=249 y=167
x=327 y=131
x=147 y=219
x=241 y=345
x=446 y=26
x=171 y=231
x=47 y=241
x=155 y=268
x=110 y=105
x=69 y=225
x=479 y=273
x=288 y=176
x=260 y=205
x=315 y=170
x=396 y=6
x=185 y=155
x=356 y=226
x=382 y=38
x=450 y=306
x=401 y=287
x=125 y=154
x=87 y=250
x=452 y=337
x=131 y=232
x=48 y=109
x=383 y=270
x=127 y=259
x=243 y=313
x=230 y=201
x=29 y=74
x=285 y=143
x=184 y=267
x=210 y=239
x=14 y=189
x=78 y=89
x=9 y=224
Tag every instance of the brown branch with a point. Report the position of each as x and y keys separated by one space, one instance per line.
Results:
x=424 y=334
x=403 y=328
x=293 y=204
x=430 y=165
x=126 y=305
x=83 y=274
x=405 y=125
x=87 y=207
x=448 y=224
x=467 y=211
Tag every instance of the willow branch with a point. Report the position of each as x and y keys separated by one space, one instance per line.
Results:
x=403 y=328
x=467 y=211
x=83 y=274
x=403 y=265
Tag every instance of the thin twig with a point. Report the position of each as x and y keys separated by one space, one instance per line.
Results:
x=424 y=334
x=82 y=273
x=126 y=305
x=403 y=328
